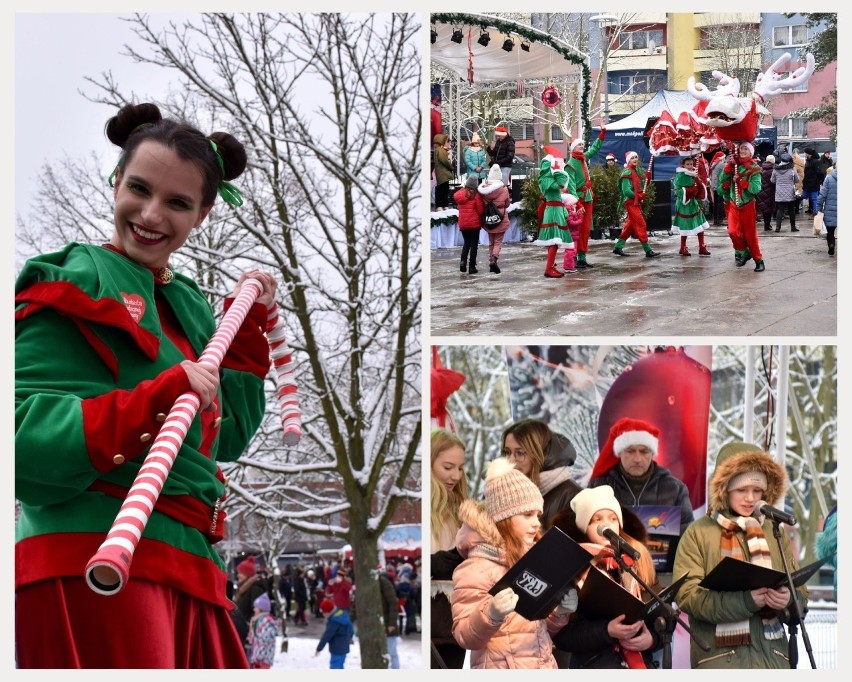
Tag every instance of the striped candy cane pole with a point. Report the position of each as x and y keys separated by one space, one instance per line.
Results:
x=285 y=378
x=109 y=569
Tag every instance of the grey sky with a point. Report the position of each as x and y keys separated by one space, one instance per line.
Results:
x=53 y=55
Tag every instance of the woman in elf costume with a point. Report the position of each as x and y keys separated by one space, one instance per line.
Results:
x=632 y=189
x=554 y=219
x=743 y=628
x=578 y=169
x=106 y=339
x=739 y=184
x=689 y=219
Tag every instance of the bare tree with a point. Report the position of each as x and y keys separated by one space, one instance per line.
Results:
x=328 y=108
x=735 y=49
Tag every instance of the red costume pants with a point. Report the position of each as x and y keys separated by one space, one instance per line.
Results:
x=742 y=228
x=635 y=225
x=61 y=623
x=586 y=227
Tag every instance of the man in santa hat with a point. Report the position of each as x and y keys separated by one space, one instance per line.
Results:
x=502 y=152
x=578 y=170
x=626 y=463
x=610 y=160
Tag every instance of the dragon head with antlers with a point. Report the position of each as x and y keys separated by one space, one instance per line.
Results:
x=721 y=115
x=736 y=118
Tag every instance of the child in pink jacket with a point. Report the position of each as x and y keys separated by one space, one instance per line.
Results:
x=495 y=534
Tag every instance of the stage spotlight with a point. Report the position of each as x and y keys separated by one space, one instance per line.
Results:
x=457 y=36
x=484 y=39
x=508 y=44
x=525 y=47
x=434 y=35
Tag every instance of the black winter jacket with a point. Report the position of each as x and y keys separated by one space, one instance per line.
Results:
x=662 y=488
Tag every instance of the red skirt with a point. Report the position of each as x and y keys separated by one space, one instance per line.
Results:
x=61 y=623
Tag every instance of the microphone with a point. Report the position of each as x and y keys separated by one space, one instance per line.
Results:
x=619 y=544
x=776 y=515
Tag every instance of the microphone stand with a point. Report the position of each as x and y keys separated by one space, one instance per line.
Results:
x=665 y=623
x=798 y=618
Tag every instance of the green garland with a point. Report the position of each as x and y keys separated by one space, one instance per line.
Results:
x=532 y=35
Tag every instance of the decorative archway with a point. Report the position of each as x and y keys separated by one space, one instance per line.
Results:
x=489 y=62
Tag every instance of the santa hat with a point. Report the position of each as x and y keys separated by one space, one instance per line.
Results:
x=628 y=156
x=247 y=567
x=508 y=492
x=624 y=433
x=494 y=175
x=611 y=157
x=747 y=144
x=576 y=141
x=501 y=130
x=554 y=156
x=589 y=501
x=718 y=156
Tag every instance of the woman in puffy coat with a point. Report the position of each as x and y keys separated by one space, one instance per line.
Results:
x=743 y=628
x=471 y=208
x=827 y=205
x=493 y=191
x=494 y=536
x=785 y=178
x=766 y=195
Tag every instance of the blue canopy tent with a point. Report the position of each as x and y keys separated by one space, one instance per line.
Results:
x=625 y=134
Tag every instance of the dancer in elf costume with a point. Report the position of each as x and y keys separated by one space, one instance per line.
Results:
x=632 y=190
x=554 y=220
x=578 y=170
x=689 y=218
x=739 y=183
x=106 y=339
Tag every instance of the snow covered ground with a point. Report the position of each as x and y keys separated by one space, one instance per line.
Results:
x=300 y=654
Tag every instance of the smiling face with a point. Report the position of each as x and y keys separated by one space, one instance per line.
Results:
x=525 y=527
x=741 y=500
x=744 y=151
x=157 y=204
x=448 y=467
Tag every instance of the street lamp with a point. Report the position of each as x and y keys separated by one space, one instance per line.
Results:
x=604 y=20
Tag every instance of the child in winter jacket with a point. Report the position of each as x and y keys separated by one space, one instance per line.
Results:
x=494 y=536
x=471 y=209
x=608 y=642
x=263 y=630
x=338 y=634
x=743 y=628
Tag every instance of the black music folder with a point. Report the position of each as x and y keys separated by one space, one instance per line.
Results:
x=544 y=574
x=733 y=575
x=602 y=597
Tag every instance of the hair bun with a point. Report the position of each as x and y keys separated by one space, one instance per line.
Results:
x=233 y=154
x=121 y=126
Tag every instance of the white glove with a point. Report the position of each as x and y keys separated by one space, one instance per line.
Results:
x=502 y=604
x=569 y=602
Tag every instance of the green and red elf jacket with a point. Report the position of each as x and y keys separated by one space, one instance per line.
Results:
x=748 y=177
x=631 y=185
x=578 y=169
x=97 y=352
